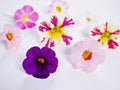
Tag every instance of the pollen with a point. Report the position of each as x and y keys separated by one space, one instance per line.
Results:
x=9 y=36
x=41 y=60
x=58 y=9
x=24 y=18
x=105 y=36
x=88 y=19
x=87 y=55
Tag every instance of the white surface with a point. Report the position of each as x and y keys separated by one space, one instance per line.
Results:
x=12 y=76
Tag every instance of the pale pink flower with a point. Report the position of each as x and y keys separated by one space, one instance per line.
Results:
x=56 y=31
x=11 y=34
x=107 y=35
x=58 y=6
x=26 y=17
x=86 y=55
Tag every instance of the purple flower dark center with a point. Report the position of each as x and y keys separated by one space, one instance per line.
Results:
x=41 y=61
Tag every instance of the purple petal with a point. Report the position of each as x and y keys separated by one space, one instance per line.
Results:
x=50 y=54
x=34 y=16
x=33 y=53
x=27 y=9
x=18 y=14
x=52 y=68
x=21 y=25
x=42 y=74
x=53 y=61
x=30 y=24
x=44 y=51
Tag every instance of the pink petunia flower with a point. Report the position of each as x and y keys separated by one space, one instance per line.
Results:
x=26 y=17
x=58 y=6
x=106 y=35
x=56 y=31
x=11 y=34
x=86 y=55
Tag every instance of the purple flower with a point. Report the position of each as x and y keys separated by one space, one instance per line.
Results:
x=40 y=62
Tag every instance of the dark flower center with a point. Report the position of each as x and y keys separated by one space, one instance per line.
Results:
x=41 y=60
x=87 y=55
x=9 y=36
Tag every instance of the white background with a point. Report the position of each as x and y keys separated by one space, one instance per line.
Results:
x=12 y=75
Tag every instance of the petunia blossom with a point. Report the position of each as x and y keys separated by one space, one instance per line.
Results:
x=26 y=17
x=107 y=35
x=58 y=6
x=11 y=34
x=56 y=31
x=86 y=55
x=40 y=62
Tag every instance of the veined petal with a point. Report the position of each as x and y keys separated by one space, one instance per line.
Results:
x=96 y=31
x=66 y=39
x=54 y=20
x=67 y=22
x=117 y=32
x=44 y=27
x=112 y=44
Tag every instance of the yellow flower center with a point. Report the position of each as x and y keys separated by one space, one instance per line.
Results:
x=87 y=55
x=105 y=36
x=58 y=9
x=24 y=18
x=10 y=36
x=88 y=19
x=41 y=60
x=55 y=32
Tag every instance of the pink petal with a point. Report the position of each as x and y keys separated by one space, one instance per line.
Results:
x=18 y=14
x=30 y=24
x=21 y=25
x=66 y=39
x=112 y=44
x=79 y=64
x=117 y=32
x=96 y=31
x=49 y=43
x=99 y=56
x=90 y=67
x=54 y=20
x=67 y=22
x=27 y=9
x=106 y=26
x=34 y=16
x=9 y=45
x=8 y=28
x=50 y=8
x=44 y=27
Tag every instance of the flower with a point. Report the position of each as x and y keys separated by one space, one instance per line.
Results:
x=40 y=62
x=106 y=35
x=86 y=55
x=58 y=6
x=11 y=34
x=55 y=31
x=26 y=17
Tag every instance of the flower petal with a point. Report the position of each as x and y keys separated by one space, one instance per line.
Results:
x=34 y=53
x=21 y=25
x=30 y=24
x=18 y=14
x=53 y=61
x=51 y=68
x=27 y=9
x=54 y=20
x=34 y=16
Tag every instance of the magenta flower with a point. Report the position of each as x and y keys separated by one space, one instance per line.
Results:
x=26 y=17
x=40 y=62
x=86 y=55
x=106 y=35
x=58 y=6
x=56 y=31
x=11 y=34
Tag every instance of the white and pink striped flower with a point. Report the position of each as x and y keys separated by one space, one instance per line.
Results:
x=107 y=35
x=56 y=31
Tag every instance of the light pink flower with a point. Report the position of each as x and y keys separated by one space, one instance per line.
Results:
x=26 y=17
x=58 y=6
x=106 y=35
x=11 y=34
x=56 y=31
x=86 y=55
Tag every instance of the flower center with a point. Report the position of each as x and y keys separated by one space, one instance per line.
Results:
x=105 y=36
x=88 y=19
x=9 y=36
x=55 y=32
x=24 y=18
x=87 y=55
x=41 y=60
x=58 y=9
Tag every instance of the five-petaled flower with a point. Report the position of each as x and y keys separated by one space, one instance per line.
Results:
x=56 y=31
x=58 y=6
x=106 y=35
x=11 y=34
x=26 y=17
x=40 y=62
x=86 y=55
